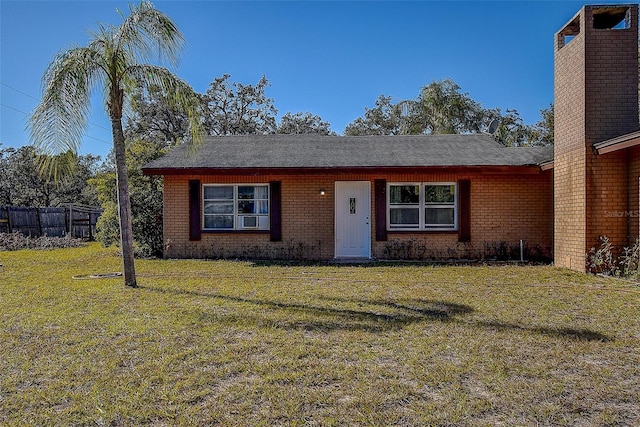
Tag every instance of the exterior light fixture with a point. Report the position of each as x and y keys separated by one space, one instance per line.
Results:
x=322 y=192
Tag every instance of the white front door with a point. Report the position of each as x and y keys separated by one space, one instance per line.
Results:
x=352 y=222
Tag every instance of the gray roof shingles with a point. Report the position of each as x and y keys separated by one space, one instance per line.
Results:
x=318 y=151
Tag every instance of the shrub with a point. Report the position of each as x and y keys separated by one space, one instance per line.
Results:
x=630 y=260
x=107 y=227
x=603 y=260
x=147 y=230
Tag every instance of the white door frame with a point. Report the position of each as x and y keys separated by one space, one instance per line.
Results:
x=352 y=219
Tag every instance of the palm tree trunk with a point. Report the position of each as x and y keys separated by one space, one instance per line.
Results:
x=124 y=204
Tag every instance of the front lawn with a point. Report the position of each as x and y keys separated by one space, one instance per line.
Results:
x=236 y=343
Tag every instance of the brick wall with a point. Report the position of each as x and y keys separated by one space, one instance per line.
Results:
x=307 y=221
x=504 y=209
x=596 y=98
x=633 y=191
x=611 y=101
x=569 y=150
x=608 y=198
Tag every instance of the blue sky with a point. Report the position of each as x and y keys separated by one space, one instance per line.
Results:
x=329 y=58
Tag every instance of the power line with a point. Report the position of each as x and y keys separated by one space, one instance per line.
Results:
x=36 y=99
x=26 y=114
x=19 y=91
x=14 y=109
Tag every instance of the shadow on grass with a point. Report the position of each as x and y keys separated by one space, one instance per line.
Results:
x=434 y=310
x=369 y=316
x=582 y=334
x=374 y=316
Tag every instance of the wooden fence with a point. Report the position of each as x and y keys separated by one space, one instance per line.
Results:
x=76 y=220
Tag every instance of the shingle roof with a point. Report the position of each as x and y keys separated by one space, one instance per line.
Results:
x=316 y=151
x=618 y=143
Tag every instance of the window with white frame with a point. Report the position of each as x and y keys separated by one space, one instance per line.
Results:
x=235 y=207
x=422 y=206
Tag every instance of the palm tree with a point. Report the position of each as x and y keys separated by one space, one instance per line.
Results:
x=115 y=60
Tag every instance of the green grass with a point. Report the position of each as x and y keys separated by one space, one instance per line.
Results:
x=235 y=343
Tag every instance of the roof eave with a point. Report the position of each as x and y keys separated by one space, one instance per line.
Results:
x=618 y=143
x=256 y=171
x=545 y=166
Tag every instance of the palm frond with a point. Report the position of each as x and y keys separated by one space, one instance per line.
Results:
x=60 y=119
x=179 y=94
x=150 y=35
x=57 y=168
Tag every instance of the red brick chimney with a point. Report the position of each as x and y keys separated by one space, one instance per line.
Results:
x=596 y=99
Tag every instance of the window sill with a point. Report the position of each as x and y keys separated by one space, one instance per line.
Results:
x=235 y=231
x=422 y=231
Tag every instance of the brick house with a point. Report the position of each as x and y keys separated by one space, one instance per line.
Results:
x=325 y=197
x=429 y=196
